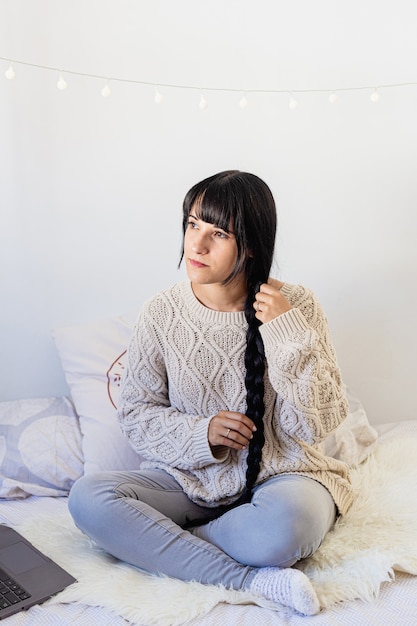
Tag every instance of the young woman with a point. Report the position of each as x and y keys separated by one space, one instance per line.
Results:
x=231 y=385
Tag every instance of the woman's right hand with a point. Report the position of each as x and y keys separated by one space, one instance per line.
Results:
x=231 y=429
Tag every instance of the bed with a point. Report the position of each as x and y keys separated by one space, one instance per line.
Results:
x=364 y=573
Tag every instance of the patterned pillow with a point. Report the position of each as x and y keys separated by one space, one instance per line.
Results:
x=40 y=447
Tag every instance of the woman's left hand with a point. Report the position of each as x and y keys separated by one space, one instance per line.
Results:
x=270 y=302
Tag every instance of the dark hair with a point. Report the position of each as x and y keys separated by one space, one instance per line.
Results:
x=244 y=200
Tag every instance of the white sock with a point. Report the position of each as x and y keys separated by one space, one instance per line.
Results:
x=286 y=586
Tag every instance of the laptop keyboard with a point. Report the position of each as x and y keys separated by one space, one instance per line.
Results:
x=10 y=591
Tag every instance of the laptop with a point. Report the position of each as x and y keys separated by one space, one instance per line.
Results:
x=27 y=576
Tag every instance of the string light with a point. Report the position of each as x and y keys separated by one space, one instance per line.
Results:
x=375 y=95
x=10 y=73
x=62 y=83
x=203 y=104
x=293 y=104
x=106 y=91
x=158 y=97
x=243 y=102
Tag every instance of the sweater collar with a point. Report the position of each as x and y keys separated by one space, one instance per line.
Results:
x=204 y=313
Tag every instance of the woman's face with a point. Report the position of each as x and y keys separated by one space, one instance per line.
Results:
x=210 y=253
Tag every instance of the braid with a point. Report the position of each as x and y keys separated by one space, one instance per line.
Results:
x=254 y=381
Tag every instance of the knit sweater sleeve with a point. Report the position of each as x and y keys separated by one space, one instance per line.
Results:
x=303 y=370
x=157 y=431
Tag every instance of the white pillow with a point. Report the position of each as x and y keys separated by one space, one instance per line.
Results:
x=93 y=357
x=40 y=447
x=354 y=438
x=93 y=360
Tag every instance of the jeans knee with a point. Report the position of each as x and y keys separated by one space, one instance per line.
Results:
x=294 y=525
x=274 y=549
x=81 y=497
x=280 y=547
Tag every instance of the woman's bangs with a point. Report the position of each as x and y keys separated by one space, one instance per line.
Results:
x=213 y=210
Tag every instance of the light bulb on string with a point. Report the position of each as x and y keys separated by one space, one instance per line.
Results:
x=106 y=90
x=203 y=104
x=332 y=95
x=10 y=73
x=293 y=104
x=62 y=83
x=158 y=97
x=243 y=102
x=375 y=95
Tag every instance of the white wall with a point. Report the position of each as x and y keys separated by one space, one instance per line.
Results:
x=91 y=187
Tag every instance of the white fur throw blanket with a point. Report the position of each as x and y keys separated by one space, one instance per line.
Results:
x=376 y=537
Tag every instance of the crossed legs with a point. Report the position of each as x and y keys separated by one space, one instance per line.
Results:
x=138 y=518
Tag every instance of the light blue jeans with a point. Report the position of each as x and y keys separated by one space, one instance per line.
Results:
x=138 y=518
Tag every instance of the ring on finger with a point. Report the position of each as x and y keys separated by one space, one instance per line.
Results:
x=227 y=434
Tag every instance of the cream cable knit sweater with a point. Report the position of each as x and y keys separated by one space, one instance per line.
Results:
x=186 y=363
